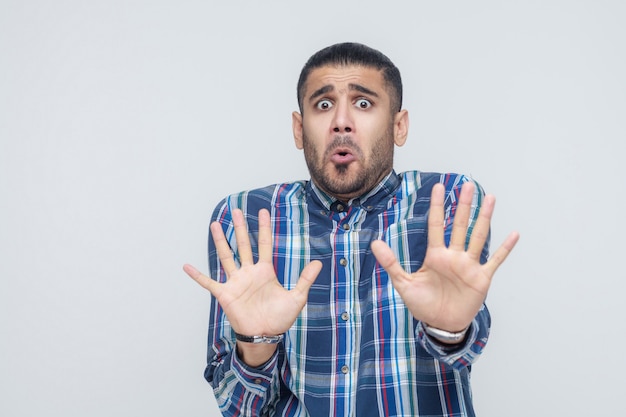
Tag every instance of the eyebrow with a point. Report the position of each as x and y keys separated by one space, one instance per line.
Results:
x=362 y=89
x=354 y=87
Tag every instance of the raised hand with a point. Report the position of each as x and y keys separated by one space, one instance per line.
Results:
x=451 y=286
x=255 y=303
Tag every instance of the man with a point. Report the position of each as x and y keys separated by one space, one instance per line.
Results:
x=361 y=291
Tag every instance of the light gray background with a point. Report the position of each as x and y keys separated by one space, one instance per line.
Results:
x=122 y=124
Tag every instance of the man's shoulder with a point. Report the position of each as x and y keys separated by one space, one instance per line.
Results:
x=273 y=191
x=420 y=184
x=255 y=199
x=414 y=180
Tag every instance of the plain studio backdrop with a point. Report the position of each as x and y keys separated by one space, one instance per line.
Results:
x=123 y=123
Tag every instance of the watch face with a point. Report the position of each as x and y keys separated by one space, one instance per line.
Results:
x=272 y=339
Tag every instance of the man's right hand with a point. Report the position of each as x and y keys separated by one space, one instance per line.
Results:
x=255 y=303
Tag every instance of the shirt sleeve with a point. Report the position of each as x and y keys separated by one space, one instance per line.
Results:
x=464 y=354
x=238 y=388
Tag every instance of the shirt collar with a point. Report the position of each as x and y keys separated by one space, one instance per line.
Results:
x=369 y=201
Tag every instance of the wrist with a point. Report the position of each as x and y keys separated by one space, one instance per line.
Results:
x=255 y=355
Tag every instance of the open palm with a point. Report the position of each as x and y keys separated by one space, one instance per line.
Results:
x=252 y=298
x=449 y=289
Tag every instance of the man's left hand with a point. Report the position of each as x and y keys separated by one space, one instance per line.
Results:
x=449 y=289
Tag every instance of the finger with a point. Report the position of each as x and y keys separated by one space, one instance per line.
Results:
x=202 y=279
x=265 y=236
x=243 y=239
x=435 y=217
x=480 y=232
x=307 y=278
x=501 y=254
x=461 y=217
x=224 y=251
x=385 y=257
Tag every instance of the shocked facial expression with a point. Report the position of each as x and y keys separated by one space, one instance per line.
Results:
x=347 y=129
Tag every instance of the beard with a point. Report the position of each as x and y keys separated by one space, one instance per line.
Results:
x=346 y=181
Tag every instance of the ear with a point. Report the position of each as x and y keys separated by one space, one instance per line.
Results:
x=400 y=127
x=296 y=124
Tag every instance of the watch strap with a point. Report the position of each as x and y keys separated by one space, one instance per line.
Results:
x=444 y=335
x=259 y=339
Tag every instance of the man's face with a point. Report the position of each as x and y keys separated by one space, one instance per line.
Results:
x=347 y=129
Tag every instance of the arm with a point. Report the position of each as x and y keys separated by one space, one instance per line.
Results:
x=249 y=300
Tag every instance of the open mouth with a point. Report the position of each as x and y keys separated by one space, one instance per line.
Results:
x=342 y=156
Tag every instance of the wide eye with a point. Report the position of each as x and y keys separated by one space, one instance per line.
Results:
x=324 y=104
x=363 y=103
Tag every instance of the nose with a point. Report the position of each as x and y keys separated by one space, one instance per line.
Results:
x=342 y=119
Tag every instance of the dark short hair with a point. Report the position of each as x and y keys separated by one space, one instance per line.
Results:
x=350 y=53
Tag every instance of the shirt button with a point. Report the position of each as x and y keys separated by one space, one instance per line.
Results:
x=345 y=316
x=340 y=208
x=343 y=262
x=345 y=369
x=346 y=226
x=257 y=381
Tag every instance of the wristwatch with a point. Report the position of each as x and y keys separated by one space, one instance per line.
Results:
x=445 y=336
x=259 y=339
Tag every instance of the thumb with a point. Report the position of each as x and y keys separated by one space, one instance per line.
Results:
x=307 y=278
x=386 y=258
x=202 y=279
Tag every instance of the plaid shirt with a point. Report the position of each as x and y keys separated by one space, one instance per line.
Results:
x=355 y=350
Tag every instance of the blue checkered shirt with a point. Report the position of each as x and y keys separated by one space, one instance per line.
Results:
x=355 y=350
